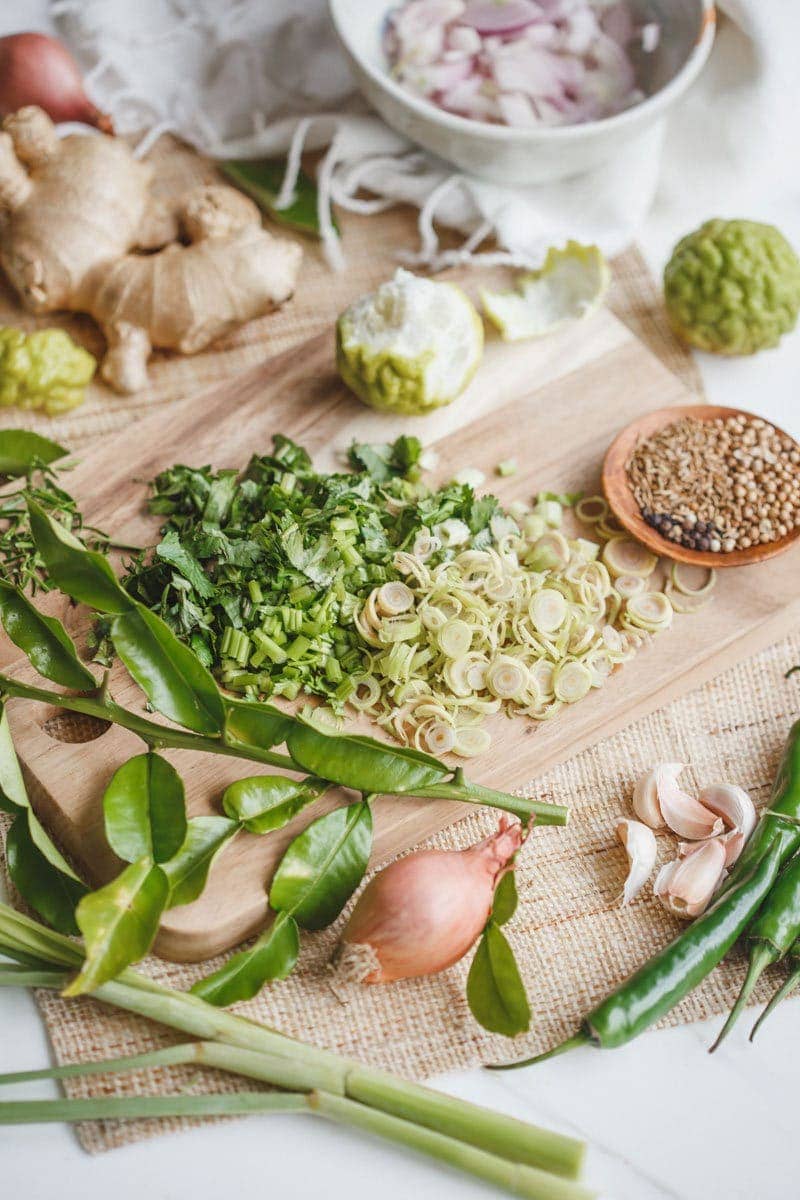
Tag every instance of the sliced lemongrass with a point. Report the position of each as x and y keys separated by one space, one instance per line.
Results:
x=394 y=598
x=548 y=610
x=650 y=611
x=600 y=666
x=425 y=544
x=501 y=526
x=550 y=552
x=322 y=716
x=438 y=737
x=412 y=564
x=541 y=674
x=572 y=682
x=612 y=639
x=432 y=618
x=586 y=550
x=452 y=532
x=533 y=526
x=639 y=843
x=506 y=677
x=500 y=589
x=581 y=639
x=456 y=676
x=508 y=466
x=610 y=524
x=471 y=476
x=629 y=586
x=591 y=509
x=476 y=674
x=471 y=740
x=625 y=556
x=682 y=603
x=454 y=638
x=551 y=511
x=682 y=586
x=366 y=629
x=401 y=628
x=547 y=711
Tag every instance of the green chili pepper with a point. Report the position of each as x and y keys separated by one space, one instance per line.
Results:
x=661 y=983
x=783 y=991
x=771 y=936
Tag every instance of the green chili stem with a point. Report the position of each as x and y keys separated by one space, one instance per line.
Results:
x=582 y=1038
x=762 y=955
x=781 y=994
x=453 y=1118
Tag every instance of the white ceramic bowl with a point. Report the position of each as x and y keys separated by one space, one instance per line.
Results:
x=506 y=155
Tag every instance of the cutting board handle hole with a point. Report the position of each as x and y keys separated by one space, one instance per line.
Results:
x=73 y=727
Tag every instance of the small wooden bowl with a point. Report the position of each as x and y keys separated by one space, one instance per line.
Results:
x=621 y=500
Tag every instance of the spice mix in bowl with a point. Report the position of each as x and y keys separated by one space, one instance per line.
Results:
x=721 y=485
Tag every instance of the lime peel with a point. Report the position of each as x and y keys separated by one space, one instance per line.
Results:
x=569 y=286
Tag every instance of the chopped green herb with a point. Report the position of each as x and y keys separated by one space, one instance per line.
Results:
x=507 y=467
x=263 y=573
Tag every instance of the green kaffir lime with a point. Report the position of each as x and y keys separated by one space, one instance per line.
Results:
x=411 y=346
x=733 y=287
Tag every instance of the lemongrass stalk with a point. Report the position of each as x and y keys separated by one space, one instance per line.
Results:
x=116 y=1108
x=30 y=978
x=514 y=1177
x=267 y=1068
x=136 y=993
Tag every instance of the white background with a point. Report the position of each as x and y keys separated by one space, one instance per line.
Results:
x=661 y=1117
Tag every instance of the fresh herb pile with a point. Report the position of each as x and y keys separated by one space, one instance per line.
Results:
x=29 y=457
x=263 y=573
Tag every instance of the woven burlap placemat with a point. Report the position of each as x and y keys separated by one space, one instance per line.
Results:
x=571 y=939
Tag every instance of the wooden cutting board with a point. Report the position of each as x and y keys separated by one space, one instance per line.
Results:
x=554 y=405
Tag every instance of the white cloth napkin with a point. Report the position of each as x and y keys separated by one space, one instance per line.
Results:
x=241 y=78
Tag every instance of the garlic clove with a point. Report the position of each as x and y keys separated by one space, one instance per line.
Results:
x=685 y=816
x=733 y=805
x=639 y=843
x=659 y=801
x=645 y=799
x=733 y=841
x=685 y=886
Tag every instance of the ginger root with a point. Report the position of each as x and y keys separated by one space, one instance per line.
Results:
x=75 y=218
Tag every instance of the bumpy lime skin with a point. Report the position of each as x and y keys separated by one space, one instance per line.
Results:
x=390 y=382
x=733 y=287
x=43 y=370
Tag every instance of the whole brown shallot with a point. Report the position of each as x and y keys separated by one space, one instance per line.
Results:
x=422 y=913
x=37 y=69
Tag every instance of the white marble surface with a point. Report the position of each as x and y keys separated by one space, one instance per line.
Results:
x=662 y=1119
